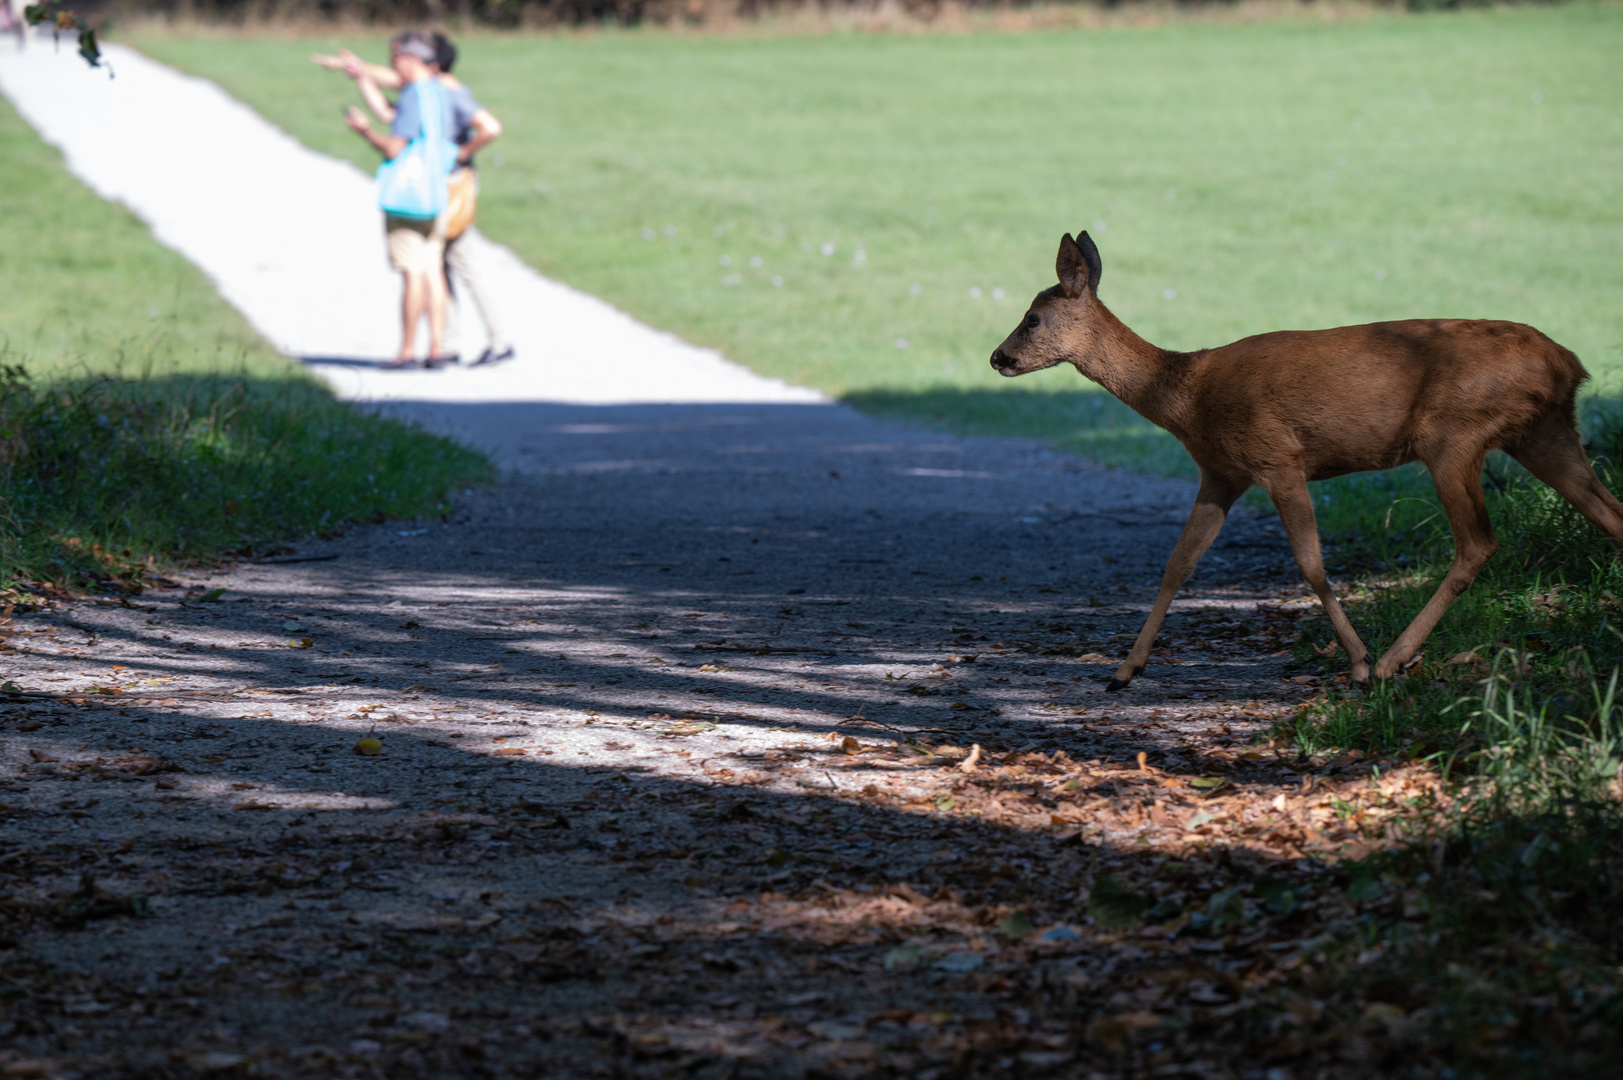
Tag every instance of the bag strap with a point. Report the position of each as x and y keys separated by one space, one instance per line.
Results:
x=431 y=106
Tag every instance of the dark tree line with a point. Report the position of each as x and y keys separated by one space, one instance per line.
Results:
x=520 y=13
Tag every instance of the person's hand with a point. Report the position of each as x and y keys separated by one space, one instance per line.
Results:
x=353 y=65
x=357 y=120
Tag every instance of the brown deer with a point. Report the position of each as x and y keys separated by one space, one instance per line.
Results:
x=1284 y=408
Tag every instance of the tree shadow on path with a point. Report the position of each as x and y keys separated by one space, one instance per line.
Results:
x=709 y=763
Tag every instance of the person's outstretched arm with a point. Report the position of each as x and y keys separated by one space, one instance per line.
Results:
x=353 y=66
x=486 y=128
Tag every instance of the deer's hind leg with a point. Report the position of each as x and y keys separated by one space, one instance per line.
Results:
x=1295 y=506
x=1553 y=452
x=1205 y=522
x=1459 y=486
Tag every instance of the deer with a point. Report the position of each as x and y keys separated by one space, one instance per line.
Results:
x=1280 y=409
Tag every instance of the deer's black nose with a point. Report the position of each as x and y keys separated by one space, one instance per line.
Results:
x=999 y=361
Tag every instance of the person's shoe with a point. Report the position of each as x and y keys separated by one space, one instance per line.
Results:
x=405 y=363
x=435 y=363
x=491 y=356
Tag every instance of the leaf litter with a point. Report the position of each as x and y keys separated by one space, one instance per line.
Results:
x=1138 y=891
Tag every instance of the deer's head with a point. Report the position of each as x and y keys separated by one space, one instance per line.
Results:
x=1052 y=329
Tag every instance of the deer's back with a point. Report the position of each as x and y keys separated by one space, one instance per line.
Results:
x=1358 y=398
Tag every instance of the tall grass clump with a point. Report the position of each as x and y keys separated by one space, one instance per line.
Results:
x=104 y=479
x=1487 y=944
x=1530 y=760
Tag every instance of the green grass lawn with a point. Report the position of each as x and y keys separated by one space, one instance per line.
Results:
x=1238 y=177
x=84 y=288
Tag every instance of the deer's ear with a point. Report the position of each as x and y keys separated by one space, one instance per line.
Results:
x=1072 y=267
x=1090 y=255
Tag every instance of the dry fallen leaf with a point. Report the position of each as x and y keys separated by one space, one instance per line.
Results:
x=969 y=764
x=1112 y=1032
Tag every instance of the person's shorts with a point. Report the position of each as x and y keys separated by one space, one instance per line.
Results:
x=416 y=245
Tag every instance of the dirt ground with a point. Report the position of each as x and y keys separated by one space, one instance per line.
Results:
x=755 y=740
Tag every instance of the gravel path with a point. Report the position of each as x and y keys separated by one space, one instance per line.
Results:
x=717 y=738
x=726 y=736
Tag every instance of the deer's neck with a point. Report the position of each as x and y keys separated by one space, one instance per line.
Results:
x=1148 y=379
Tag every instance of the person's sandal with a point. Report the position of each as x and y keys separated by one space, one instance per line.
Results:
x=491 y=356
x=405 y=364
x=435 y=363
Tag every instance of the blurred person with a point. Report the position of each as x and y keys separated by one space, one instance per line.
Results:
x=475 y=128
x=413 y=187
x=12 y=21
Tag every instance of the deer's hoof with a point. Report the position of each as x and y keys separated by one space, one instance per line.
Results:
x=1116 y=684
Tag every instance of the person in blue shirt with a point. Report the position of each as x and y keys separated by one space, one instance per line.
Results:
x=416 y=245
x=474 y=128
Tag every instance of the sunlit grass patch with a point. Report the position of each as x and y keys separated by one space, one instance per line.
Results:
x=912 y=189
x=104 y=480
x=85 y=289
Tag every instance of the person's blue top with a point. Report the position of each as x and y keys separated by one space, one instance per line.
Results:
x=408 y=114
x=463 y=108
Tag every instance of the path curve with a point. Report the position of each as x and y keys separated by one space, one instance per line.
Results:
x=293 y=240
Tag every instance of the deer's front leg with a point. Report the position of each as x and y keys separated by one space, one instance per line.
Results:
x=1295 y=507
x=1205 y=522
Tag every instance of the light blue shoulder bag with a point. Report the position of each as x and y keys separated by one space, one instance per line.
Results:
x=415 y=183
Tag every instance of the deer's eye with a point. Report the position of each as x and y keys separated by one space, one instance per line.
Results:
x=1033 y=321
